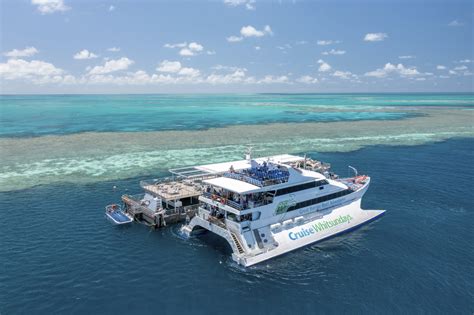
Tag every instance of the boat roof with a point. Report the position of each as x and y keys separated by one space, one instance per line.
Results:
x=231 y=184
x=217 y=168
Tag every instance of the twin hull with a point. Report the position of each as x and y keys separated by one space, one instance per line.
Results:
x=339 y=216
x=340 y=220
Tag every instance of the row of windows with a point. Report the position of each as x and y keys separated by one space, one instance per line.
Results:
x=314 y=201
x=293 y=189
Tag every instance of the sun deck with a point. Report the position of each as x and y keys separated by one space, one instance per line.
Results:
x=209 y=170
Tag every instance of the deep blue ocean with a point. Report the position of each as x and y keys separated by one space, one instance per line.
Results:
x=59 y=254
x=60 y=157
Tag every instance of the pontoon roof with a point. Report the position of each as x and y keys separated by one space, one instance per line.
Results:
x=231 y=184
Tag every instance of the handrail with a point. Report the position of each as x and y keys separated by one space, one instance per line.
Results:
x=244 y=178
x=271 y=180
x=234 y=204
x=228 y=202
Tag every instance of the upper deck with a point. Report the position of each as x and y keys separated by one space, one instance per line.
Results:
x=265 y=177
x=210 y=170
x=261 y=175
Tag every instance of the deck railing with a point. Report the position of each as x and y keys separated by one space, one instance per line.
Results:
x=244 y=178
x=223 y=200
x=261 y=178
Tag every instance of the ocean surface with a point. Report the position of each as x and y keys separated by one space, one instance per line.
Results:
x=60 y=157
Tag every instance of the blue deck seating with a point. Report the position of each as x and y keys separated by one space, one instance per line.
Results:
x=259 y=175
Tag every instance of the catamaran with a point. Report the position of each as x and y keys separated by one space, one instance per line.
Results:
x=263 y=207
x=270 y=206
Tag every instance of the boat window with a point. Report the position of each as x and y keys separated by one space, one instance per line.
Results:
x=292 y=189
x=321 y=199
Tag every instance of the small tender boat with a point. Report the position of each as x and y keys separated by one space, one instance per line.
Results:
x=116 y=215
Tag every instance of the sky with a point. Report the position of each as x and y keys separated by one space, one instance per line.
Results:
x=235 y=46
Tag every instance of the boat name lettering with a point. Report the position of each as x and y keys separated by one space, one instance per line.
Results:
x=319 y=227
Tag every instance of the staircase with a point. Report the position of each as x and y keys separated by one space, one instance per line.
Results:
x=237 y=243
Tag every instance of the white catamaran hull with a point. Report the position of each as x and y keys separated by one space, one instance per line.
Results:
x=338 y=221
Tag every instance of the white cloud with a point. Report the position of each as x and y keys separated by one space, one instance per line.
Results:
x=16 y=53
x=444 y=76
x=306 y=79
x=85 y=54
x=234 y=39
x=323 y=42
x=172 y=72
x=375 y=37
x=465 y=61
x=269 y=79
x=268 y=30
x=235 y=77
x=323 y=66
x=189 y=72
x=393 y=69
x=195 y=46
x=301 y=42
x=211 y=52
x=440 y=67
x=141 y=78
x=113 y=49
x=250 y=31
x=169 y=66
x=406 y=57
x=257 y=48
x=249 y=4
x=112 y=66
x=50 y=6
x=187 y=50
x=111 y=8
x=334 y=52
x=177 y=45
x=455 y=23
x=460 y=68
x=36 y=71
x=342 y=74
x=228 y=68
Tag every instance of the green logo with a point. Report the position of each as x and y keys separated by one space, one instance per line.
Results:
x=284 y=205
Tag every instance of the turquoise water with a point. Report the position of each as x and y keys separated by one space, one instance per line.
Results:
x=67 y=114
x=91 y=138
